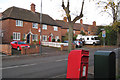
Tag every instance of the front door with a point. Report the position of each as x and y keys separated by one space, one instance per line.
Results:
x=28 y=38
x=49 y=38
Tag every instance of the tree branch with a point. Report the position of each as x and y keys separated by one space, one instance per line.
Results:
x=81 y=14
x=67 y=11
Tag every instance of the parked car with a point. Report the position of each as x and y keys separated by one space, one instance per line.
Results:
x=78 y=43
x=19 y=44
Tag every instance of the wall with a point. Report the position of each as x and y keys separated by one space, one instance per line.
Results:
x=6 y=49
x=30 y=51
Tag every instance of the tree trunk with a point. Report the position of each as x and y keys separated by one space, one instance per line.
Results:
x=70 y=37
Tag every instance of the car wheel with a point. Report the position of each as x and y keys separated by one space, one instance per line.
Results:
x=94 y=44
x=18 y=48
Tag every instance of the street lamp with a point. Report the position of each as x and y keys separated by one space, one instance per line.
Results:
x=41 y=29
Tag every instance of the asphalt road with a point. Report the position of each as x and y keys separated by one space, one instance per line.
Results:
x=51 y=65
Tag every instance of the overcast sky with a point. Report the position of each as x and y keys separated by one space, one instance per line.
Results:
x=54 y=9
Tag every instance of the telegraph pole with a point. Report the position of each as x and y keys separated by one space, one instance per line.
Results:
x=41 y=29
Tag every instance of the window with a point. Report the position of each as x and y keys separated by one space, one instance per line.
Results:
x=24 y=36
x=74 y=31
x=92 y=38
x=35 y=25
x=34 y=37
x=88 y=32
x=67 y=30
x=19 y=23
x=87 y=38
x=16 y=36
x=56 y=38
x=55 y=28
x=44 y=27
x=44 y=38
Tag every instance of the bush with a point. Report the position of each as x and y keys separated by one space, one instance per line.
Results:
x=53 y=40
x=58 y=40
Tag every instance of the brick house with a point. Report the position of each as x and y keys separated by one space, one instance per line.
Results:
x=77 y=28
x=22 y=24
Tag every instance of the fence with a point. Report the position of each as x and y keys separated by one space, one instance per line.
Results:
x=54 y=44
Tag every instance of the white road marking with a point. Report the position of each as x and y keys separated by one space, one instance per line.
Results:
x=18 y=66
x=11 y=67
x=61 y=60
x=58 y=76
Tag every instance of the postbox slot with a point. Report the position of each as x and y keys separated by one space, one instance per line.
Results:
x=85 y=52
x=84 y=62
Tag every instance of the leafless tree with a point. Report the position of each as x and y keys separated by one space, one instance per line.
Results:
x=71 y=22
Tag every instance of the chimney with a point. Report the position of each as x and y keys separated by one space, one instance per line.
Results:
x=32 y=7
x=94 y=23
x=81 y=21
x=65 y=19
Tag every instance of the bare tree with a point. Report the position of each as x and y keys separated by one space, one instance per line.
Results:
x=71 y=22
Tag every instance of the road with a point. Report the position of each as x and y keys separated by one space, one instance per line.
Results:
x=54 y=66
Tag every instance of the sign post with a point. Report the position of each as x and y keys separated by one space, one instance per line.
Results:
x=103 y=35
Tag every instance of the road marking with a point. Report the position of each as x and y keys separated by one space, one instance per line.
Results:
x=61 y=60
x=18 y=66
x=59 y=76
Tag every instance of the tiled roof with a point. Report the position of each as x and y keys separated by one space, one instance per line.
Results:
x=77 y=26
x=27 y=15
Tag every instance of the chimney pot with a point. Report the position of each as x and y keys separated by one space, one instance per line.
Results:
x=33 y=7
x=81 y=21
x=65 y=19
x=94 y=23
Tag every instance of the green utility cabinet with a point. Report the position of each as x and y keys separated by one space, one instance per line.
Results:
x=105 y=65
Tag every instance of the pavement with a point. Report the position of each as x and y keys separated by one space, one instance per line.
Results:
x=47 y=52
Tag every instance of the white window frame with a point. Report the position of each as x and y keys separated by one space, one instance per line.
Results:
x=44 y=38
x=44 y=27
x=35 y=25
x=19 y=23
x=35 y=38
x=56 y=38
x=67 y=30
x=24 y=36
x=88 y=32
x=55 y=28
x=16 y=36
x=74 y=31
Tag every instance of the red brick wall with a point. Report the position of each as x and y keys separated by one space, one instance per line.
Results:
x=6 y=49
x=9 y=26
x=50 y=30
x=63 y=32
x=30 y=51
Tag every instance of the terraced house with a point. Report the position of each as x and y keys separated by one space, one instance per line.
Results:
x=22 y=24
x=77 y=28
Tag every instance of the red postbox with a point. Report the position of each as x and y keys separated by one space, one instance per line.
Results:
x=77 y=67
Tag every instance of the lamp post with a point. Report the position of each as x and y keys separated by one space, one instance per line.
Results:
x=41 y=29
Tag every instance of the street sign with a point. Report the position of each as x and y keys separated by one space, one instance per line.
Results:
x=103 y=34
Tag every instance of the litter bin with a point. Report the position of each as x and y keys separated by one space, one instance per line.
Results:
x=105 y=65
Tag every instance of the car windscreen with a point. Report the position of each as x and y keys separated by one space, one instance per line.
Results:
x=21 y=43
x=96 y=38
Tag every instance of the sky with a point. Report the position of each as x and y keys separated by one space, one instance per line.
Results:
x=53 y=8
